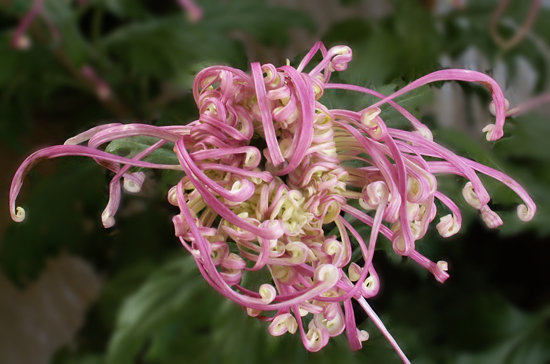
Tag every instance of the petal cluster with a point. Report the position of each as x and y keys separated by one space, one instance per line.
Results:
x=270 y=172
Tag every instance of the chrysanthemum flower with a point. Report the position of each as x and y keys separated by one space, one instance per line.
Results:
x=268 y=169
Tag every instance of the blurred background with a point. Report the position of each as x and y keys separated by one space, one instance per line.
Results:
x=72 y=292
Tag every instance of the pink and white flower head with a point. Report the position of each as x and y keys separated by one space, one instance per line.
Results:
x=267 y=169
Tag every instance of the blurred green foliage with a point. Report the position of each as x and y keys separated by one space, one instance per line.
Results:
x=154 y=307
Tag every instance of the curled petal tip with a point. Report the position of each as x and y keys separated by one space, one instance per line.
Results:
x=242 y=190
x=374 y=193
x=267 y=292
x=371 y=286
x=180 y=226
x=400 y=246
x=276 y=227
x=493 y=133
x=316 y=339
x=368 y=115
x=470 y=196
x=362 y=335
x=173 y=196
x=277 y=326
x=291 y=324
x=254 y=313
x=283 y=323
x=524 y=213
x=18 y=215
x=448 y=226
x=253 y=158
x=134 y=183
x=489 y=130
x=343 y=55
x=333 y=211
x=491 y=218
x=441 y=276
x=340 y=50
x=354 y=272
x=425 y=132
x=298 y=251
x=327 y=273
x=22 y=42
x=439 y=270
x=375 y=126
x=107 y=220
x=332 y=246
x=103 y=93
x=131 y=186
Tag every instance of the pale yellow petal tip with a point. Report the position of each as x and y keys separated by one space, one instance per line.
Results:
x=425 y=133
x=282 y=324
x=108 y=220
x=292 y=325
x=267 y=292
x=131 y=186
x=524 y=214
x=19 y=214
x=370 y=284
x=253 y=312
x=172 y=196
x=490 y=218
x=492 y=133
x=354 y=272
x=23 y=43
x=470 y=196
x=71 y=141
x=327 y=273
x=362 y=335
x=448 y=226
x=443 y=265
x=489 y=130
x=368 y=115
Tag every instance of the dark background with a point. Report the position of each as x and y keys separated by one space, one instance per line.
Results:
x=73 y=292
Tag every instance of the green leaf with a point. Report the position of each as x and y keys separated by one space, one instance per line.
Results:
x=527 y=343
x=163 y=297
x=162 y=47
x=129 y=147
x=268 y=25
x=119 y=287
x=63 y=18
x=127 y=8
